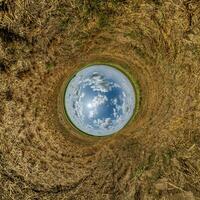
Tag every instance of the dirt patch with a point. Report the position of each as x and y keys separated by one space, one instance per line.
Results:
x=156 y=156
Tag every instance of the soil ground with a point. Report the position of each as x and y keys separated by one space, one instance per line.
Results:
x=157 y=156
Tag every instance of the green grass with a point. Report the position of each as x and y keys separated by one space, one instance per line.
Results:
x=167 y=156
x=145 y=165
x=64 y=24
x=103 y=20
x=49 y=65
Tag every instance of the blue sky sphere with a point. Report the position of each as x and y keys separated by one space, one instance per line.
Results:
x=99 y=100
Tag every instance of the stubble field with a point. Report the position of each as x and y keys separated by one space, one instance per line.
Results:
x=157 y=156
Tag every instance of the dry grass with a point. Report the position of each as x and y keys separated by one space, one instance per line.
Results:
x=156 y=156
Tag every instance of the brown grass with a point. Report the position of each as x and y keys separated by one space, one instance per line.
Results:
x=157 y=156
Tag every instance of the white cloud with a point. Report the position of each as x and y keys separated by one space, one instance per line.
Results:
x=115 y=85
x=124 y=94
x=97 y=101
x=115 y=113
x=103 y=123
x=114 y=101
x=126 y=107
x=78 y=110
x=96 y=76
x=118 y=107
x=101 y=87
x=98 y=83
x=92 y=113
x=119 y=120
x=82 y=95
x=77 y=105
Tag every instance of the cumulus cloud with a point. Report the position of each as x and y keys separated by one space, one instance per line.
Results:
x=97 y=101
x=78 y=109
x=76 y=103
x=82 y=95
x=96 y=76
x=103 y=123
x=119 y=120
x=92 y=113
x=101 y=87
x=98 y=83
x=118 y=107
x=115 y=85
x=115 y=113
x=124 y=94
x=126 y=107
x=114 y=101
x=93 y=105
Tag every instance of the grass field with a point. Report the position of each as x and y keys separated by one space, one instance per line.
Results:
x=155 y=157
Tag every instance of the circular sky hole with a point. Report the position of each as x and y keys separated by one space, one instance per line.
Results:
x=99 y=100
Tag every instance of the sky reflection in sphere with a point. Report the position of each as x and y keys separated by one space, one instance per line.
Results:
x=99 y=100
